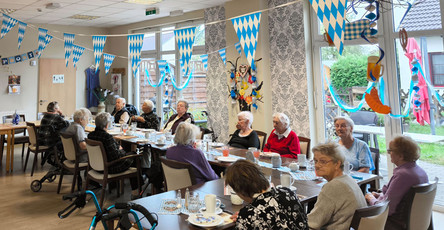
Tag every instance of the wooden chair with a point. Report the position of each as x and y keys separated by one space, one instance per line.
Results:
x=98 y=167
x=18 y=139
x=73 y=153
x=34 y=145
x=376 y=157
x=305 y=146
x=262 y=138
x=177 y=174
x=371 y=217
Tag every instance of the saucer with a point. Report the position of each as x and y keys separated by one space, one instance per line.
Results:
x=218 y=211
x=292 y=188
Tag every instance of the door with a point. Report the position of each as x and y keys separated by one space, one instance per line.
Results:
x=57 y=83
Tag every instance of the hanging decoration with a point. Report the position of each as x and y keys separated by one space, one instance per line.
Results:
x=375 y=103
x=238 y=48
x=204 y=59
x=21 y=33
x=41 y=39
x=98 y=45
x=69 y=41
x=185 y=41
x=135 y=43
x=223 y=55
x=8 y=24
x=247 y=30
x=48 y=39
x=19 y=58
x=77 y=51
x=353 y=30
x=108 y=61
x=161 y=65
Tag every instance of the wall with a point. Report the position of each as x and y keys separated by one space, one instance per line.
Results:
x=27 y=101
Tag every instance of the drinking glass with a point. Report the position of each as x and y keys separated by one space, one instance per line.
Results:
x=194 y=204
x=133 y=126
x=124 y=128
x=225 y=151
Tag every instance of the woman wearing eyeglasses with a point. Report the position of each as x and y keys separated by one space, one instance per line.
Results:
x=403 y=153
x=340 y=196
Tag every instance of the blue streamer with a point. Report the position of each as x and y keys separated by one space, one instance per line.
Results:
x=149 y=81
x=382 y=90
x=431 y=87
x=174 y=81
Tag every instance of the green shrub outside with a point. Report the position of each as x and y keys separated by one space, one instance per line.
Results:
x=349 y=71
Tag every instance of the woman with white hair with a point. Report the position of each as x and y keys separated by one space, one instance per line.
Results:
x=282 y=139
x=182 y=115
x=244 y=137
x=148 y=120
x=358 y=153
x=77 y=128
x=186 y=151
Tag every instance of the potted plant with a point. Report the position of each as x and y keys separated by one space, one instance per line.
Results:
x=101 y=95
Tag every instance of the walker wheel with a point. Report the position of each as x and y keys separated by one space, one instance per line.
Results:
x=52 y=178
x=36 y=186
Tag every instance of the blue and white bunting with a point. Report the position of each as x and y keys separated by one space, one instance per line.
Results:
x=48 y=39
x=41 y=41
x=108 y=61
x=69 y=41
x=21 y=33
x=135 y=43
x=223 y=55
x=185 y=41
x=77 y=51
x=162 y=66
x=238 y=47
x=204 y=59
x=98 y=45
x=247 y=30
x=8 y=24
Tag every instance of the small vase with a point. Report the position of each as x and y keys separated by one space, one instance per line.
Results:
x=101 y=107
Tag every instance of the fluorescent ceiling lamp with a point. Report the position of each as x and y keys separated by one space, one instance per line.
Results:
x=176 y=12
x=143 y=2
x=84 y=17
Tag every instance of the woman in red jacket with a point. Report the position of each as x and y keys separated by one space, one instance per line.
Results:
x=282 y=139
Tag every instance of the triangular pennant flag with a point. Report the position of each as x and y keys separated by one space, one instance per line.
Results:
x=98 y=45
x=42 y=37
x=223 y=55
x=238 y=47
x=332 y=15
x=162 y=66
x=8 y=24
x=69 y=41
x=21 y=33
x=77 y=51
x=108 y=60
x=204 y=60
x=48 y=39
x=247 y=29
x=135 y=43
x=185 y=41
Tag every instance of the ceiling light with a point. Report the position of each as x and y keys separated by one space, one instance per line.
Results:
x=84 y=17
x=143 y=2
x=176 y=13
x=7 y=11
x=53 y=6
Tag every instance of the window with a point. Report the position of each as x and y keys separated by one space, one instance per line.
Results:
x=437 y=68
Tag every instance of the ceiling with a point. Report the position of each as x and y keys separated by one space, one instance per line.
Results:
x=110 y=13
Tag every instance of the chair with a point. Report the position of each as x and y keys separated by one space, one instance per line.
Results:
x=72 y=152
x=98 y=167
x=177 y=174
x=371 y=217
x=262 y=138
x=17 y=139
x=34 y=145
x=376 y=157
x=304 y=143
x=363 y=117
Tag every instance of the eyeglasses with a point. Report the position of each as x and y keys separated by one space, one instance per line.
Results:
x=341 y=126
x=389 y=151
x=322 y=162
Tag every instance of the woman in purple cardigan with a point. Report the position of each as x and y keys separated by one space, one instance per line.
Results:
x=186 y=151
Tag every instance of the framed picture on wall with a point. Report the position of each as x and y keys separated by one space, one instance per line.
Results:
x=14 y=80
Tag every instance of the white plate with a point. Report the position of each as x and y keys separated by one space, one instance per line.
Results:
x=292 y=188
x=203 y=210
x=160 y=144
x=217 y=144
x=227 y=159
x=205 y=220
x=268 y=154
x=113 y=133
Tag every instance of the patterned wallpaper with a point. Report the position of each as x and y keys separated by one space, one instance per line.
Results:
x=287 y=64
x=216 y=82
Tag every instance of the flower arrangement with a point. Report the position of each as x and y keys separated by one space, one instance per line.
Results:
x=102 y=94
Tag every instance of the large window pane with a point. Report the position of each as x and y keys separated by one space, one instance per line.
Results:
x=167 y=39
x=146 y=91
x=149 y=42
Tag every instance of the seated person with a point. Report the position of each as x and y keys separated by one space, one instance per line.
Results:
x=112 y=148
x=51 y=124
x=120 y=113
x=358 y=153
x=340 y=196
x=77 y=128
x=268 y=208
x=148 y=120
x=403 y=153
x=181 y=116
x=186 y=151
x=282 y=139
x=244 y=137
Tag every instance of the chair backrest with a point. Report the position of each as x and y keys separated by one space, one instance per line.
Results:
x=420 y=209
x=363 y=117
x=262 y=138
x=304 y=143
x=96 y=155
x=132 y=110
x=32 y=132
x=70 y=146
x=177 y=174
x=8 y=119
x=371 y=217
x=376 y=157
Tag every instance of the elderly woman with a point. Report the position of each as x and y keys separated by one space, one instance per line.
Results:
x=358 y=153
x=148 y=120
x=403 y=153
x=340 y=196
x=244 y=137
x=120 y=113
x=282 y=139
x=186 y=151
x=268 y=208
x=77 y=128
x=181 y=116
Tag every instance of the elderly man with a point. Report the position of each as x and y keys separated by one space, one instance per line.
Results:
x=51 y=124
x=77 y=128
x=282 y=139
x=182 y=115
x=120 y=113
x=148 y=120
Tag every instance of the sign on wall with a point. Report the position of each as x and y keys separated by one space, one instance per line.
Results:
x=58 y=79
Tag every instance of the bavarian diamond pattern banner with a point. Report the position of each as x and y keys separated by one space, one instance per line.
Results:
x=238 y=48
x=77 y=51
x=8 y=24
x=135 y=43
x=48 y=39
x=247 y=29
x=185 y=41
x=204 y=59
x=98 y=45
x=223 y=55
x=21 y=33
x=108 y=60
x=162 y=66
x=41 y=41
x=69 y=41
x=354 y=29
x=332 y=15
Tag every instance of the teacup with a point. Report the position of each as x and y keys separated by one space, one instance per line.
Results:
x=347 y=167
x=211 y=203
x=302 y=159
x=286 y=180
x=161 y=140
